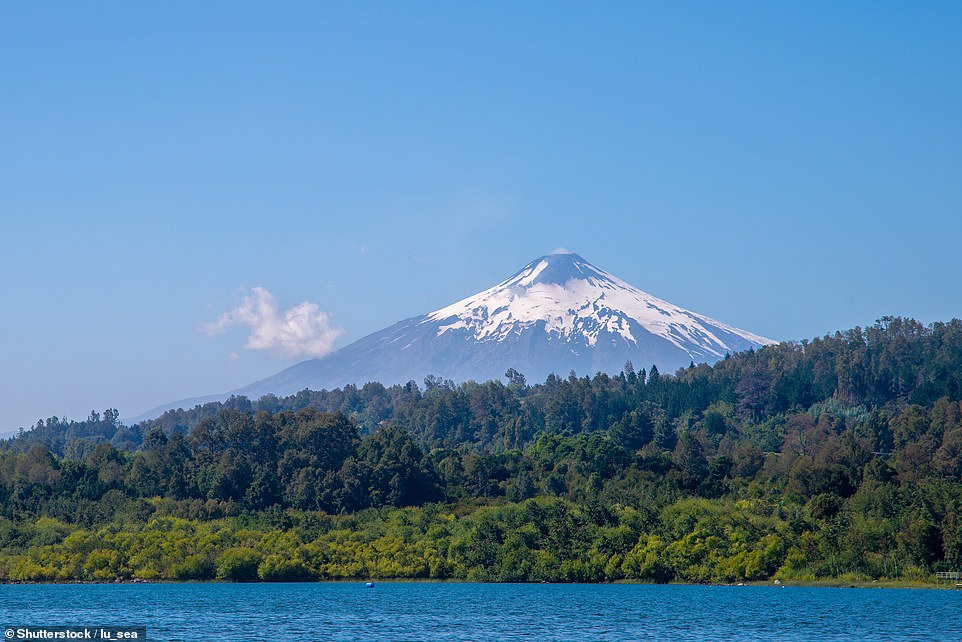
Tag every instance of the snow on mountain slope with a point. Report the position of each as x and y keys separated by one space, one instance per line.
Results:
x=573 y=297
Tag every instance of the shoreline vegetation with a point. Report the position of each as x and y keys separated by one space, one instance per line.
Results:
x=834 y=583
x=834 y=461
x=539 y=540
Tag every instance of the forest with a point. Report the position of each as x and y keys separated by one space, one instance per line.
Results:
x=836 y=458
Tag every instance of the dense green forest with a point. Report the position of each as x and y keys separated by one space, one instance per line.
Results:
x=835 y=458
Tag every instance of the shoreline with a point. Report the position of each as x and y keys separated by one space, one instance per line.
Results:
x=816 y=583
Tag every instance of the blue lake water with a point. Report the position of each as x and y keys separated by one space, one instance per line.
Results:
x=452 y=611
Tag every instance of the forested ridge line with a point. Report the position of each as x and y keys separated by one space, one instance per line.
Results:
x=838 y=456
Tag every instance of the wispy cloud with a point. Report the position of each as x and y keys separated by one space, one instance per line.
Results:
x=302 y=331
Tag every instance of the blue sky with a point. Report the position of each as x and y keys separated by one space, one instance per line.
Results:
x=789 y=168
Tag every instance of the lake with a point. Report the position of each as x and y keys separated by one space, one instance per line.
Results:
x=453 y=611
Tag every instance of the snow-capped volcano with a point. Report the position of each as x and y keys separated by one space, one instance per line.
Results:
x=577 y=302
x=557 y=314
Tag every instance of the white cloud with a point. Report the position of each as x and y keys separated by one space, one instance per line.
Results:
x=302 y=331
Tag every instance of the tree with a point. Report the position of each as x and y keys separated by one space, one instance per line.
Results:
x=689 y=457
x=515 y=379
x=635 y=429
x=653 y=375
x=394 y=470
